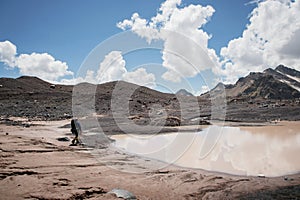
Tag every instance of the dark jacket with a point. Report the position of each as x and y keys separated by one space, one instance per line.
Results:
x=75 y=127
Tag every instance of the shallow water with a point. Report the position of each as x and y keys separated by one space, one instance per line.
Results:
x=268 y=150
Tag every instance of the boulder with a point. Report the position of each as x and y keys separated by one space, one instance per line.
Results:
x=124 y=194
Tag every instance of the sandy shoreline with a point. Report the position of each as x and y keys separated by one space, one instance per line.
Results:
x=34 y=165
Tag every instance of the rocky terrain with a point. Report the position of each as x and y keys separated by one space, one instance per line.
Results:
x=35 y=165
x=258 y=97
x=34 y=98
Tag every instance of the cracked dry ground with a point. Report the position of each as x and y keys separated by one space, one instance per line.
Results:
x=34 y=168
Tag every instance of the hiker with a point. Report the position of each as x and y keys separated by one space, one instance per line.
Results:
x=76 y=130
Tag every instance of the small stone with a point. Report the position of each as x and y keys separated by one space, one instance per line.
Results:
x=261 y=176
x=288 y=179
x=26 y=125
x=63 y=139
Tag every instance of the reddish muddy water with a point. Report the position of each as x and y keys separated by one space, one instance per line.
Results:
x=271 y=150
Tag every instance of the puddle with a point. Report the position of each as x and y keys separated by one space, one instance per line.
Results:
x=268 y=150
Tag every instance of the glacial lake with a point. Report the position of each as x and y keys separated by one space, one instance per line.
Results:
x=271 y=150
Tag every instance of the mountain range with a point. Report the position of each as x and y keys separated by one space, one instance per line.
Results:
x=278 y=90
x=279 y=83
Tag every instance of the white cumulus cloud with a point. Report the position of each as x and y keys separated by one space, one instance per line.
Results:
x=185 y=52
x=112 y=67
x=271 y=38
x=42 y=65
x=140 y=77
x=89 y=78
x=202 y=90
x=8 y=52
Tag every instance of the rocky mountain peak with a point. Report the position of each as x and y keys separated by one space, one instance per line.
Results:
x=279 y=83
x=288 y=71
x=184 y=92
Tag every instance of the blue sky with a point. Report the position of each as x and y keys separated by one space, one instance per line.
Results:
x=69 y=30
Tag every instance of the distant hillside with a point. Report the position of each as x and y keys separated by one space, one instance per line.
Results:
x=28 y=84
x=184 y=92
x=33 y=97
